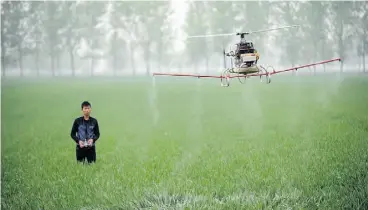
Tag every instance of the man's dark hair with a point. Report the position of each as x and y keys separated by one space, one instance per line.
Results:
x=85 y=103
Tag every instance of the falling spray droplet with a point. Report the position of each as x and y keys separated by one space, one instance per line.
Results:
x=153 y=82
x=153 y=102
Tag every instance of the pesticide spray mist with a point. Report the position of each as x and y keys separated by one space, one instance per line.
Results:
x=153 y=102
x=253 y=113
x=192 y=146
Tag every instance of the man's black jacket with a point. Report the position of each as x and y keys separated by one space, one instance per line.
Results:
x=85 y=129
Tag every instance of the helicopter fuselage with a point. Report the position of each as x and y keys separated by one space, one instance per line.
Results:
x=245 y=58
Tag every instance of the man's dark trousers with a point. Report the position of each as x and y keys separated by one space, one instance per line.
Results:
x=88 y=153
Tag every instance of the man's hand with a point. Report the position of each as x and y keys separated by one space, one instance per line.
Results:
x=81 y=144
x=90 y=142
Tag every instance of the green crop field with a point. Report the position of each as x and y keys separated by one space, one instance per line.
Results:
x=299 y=142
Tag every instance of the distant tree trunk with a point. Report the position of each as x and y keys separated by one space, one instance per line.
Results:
x=148 y=65
x=114 y=53
x=2 y=17
x=196 y=67
x=3 y=69
x=92 y=61
x=160 y=52
x=364 y=48
x=207 y=61
x=115 y=61
x=132 y=62
x=315 y=46
x=92 y=42
x=71 y=54
x=341 y=45
x=363 y=62
x=20 y=54
x=37 y=60
x=71 y=57
x=342 y=66
x=180 y=67
x=147 y=56
x=323 y=55
x=58 y=69
x=52 y=59
x=2 y=52
x=3 y=59
x=3 y=66
x=52 y=65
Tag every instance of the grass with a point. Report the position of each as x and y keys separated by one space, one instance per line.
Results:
x=299 y=142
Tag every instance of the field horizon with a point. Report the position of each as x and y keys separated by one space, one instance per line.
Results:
x=167 y=142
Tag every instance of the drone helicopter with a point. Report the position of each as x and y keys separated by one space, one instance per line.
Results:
x=244 y=60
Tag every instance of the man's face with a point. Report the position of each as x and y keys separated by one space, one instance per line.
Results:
x=86 y=110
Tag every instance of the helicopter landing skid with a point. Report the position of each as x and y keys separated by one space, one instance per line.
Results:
x=242 y=76
x=225 y=78
x=266 y=73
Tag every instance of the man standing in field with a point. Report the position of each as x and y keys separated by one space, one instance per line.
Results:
x=85 y=130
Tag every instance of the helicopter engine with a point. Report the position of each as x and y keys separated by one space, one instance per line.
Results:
x=246 y=60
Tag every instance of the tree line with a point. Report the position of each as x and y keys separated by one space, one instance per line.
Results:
x=126 y=36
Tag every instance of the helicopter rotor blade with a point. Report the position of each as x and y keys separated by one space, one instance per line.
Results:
x=211 y=35
x=272 y=29
x=247 y=33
